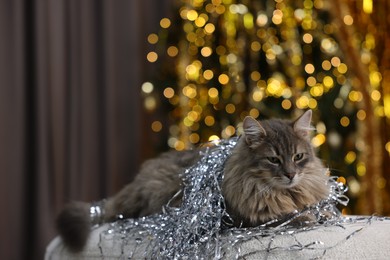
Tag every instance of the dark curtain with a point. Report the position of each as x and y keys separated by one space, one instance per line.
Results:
x=71 y=120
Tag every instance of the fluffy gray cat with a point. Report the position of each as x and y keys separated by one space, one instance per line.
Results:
x=271 y=172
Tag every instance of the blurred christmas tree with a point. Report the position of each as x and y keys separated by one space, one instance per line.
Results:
x=221 y=60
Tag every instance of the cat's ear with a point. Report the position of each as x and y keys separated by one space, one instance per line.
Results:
x=302 y=125
x=253 y=131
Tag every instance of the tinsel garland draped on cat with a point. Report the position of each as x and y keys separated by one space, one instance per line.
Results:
x=201 y=227
x=221 y=60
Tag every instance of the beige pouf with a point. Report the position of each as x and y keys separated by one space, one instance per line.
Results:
x=362 y=238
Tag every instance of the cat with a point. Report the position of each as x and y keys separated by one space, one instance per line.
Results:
x=271 y=172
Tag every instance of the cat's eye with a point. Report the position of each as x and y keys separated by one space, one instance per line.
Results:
x=298 y=157
x=273 y=159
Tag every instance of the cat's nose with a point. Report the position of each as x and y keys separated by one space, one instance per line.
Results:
x=290 y=175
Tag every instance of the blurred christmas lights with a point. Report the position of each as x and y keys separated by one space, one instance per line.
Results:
x=230 y=58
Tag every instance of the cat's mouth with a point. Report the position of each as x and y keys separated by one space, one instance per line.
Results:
x=291 y=183
x=287 y=183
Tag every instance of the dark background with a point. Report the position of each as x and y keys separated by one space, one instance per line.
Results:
x=72 y=127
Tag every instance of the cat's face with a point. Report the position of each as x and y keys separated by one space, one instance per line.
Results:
x=281 y=152
x=282 y=164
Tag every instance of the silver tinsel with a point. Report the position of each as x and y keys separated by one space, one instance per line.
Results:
x=96 y=212
x=202 y=229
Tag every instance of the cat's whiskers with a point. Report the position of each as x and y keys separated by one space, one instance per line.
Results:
x=265 y=188
x=264 y=192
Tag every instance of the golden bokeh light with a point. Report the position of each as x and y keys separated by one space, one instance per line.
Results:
x=230 y=108
x=307 y=38
x=350 y=157
x=309 y=68
x=169 y=92
x=213 y=92
x=165 y=23
x=172 y=51
x=214 y=138
x=286 y=104
x=153 y=38
x=194 y=138
x=192 y=15
x=208 y=74
x=318 y=140
x=206 y=51
x=326 y=65
x=152 y=56
x=348 y=19
x=361 y=114
x=147 y=87
x=156 y=126
x=209 y=120
x=254 y=112
x=344 y=121
x=223 y=79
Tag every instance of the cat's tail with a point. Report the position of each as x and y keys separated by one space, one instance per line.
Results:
x=75 y=221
